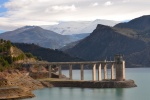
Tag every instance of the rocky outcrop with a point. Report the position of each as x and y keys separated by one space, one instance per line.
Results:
x=14 y=93
x=14 y=84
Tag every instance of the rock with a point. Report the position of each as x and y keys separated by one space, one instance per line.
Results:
x=14 y=84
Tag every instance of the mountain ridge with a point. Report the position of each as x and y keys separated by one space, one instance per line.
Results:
x=37 y=35
x=96 y=47
x=78 y=27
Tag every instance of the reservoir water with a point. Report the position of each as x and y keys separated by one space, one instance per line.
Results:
x=141 y=76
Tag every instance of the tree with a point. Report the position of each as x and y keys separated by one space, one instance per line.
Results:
x=8 y=44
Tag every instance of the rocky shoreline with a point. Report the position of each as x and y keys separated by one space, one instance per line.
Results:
x=15 y=85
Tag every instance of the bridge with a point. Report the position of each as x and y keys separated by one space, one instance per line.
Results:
x=117 y=68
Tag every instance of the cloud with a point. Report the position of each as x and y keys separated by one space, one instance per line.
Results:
x=108 y=3
x=64 y=8
x=44 y=12
x=124 y=1
x=95 y=4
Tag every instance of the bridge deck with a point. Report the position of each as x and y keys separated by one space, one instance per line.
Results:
x=69 y=63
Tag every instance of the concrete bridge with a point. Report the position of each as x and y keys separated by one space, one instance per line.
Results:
x=117 y=68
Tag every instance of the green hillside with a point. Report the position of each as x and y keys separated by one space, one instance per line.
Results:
x=10 y=54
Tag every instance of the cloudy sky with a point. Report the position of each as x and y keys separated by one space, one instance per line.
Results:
x=17 y=13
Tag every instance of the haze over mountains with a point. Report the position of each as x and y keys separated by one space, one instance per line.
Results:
x=50 y=39
x=78 y=27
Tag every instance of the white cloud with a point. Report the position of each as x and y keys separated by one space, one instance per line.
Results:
x=64 y=8
x=108 y=3
x=95 y=4
x=124 y=1
x=44 y=12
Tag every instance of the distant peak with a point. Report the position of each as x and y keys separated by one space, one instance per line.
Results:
x=29 y=27
x=101 y=26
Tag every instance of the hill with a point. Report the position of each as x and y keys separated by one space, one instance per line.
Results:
x=37 y=35
x=140 y=25
x=104 y=42
x=46 y=53
x=9 y=55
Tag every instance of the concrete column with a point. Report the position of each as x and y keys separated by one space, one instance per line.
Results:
x=82 y=72
x=105 y=71
x=99 y=73
x=50 y=70
x=94 y=72
x=59 y=67
x=112 y=71
x=120 y=71
x=123 y=63
x=70 y=72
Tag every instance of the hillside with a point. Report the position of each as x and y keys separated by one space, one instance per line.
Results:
x=107 y=41
x=45 y=53
x=140 y=25
x=9 y=55
x=37 y=35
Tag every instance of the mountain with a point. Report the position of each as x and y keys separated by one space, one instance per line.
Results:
x=132 y=39
x=78 y=27
x=37 y=35
x=140 y=25
x=104 y=42
x=46 y=53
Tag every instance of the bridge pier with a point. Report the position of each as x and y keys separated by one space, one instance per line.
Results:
x=82 y=72
x=120 y=68
x=59 y=69
x=70 y=72
x=105 y=71
x=99 y=73
x=124 y=76
x=94 y=72
x=112 y=71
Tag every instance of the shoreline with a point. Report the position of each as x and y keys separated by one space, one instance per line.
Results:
x=49 y=83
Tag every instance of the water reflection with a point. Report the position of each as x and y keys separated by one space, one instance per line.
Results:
x=141 y=92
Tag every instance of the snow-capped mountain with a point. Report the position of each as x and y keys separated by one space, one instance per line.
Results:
x=37 y=35
x=77 y=27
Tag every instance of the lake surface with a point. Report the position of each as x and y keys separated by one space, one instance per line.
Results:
x=141 y=76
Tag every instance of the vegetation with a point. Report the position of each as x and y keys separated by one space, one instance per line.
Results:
x=7 y=58
x=45 y=53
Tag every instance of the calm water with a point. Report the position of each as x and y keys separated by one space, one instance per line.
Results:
x=141 y=76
